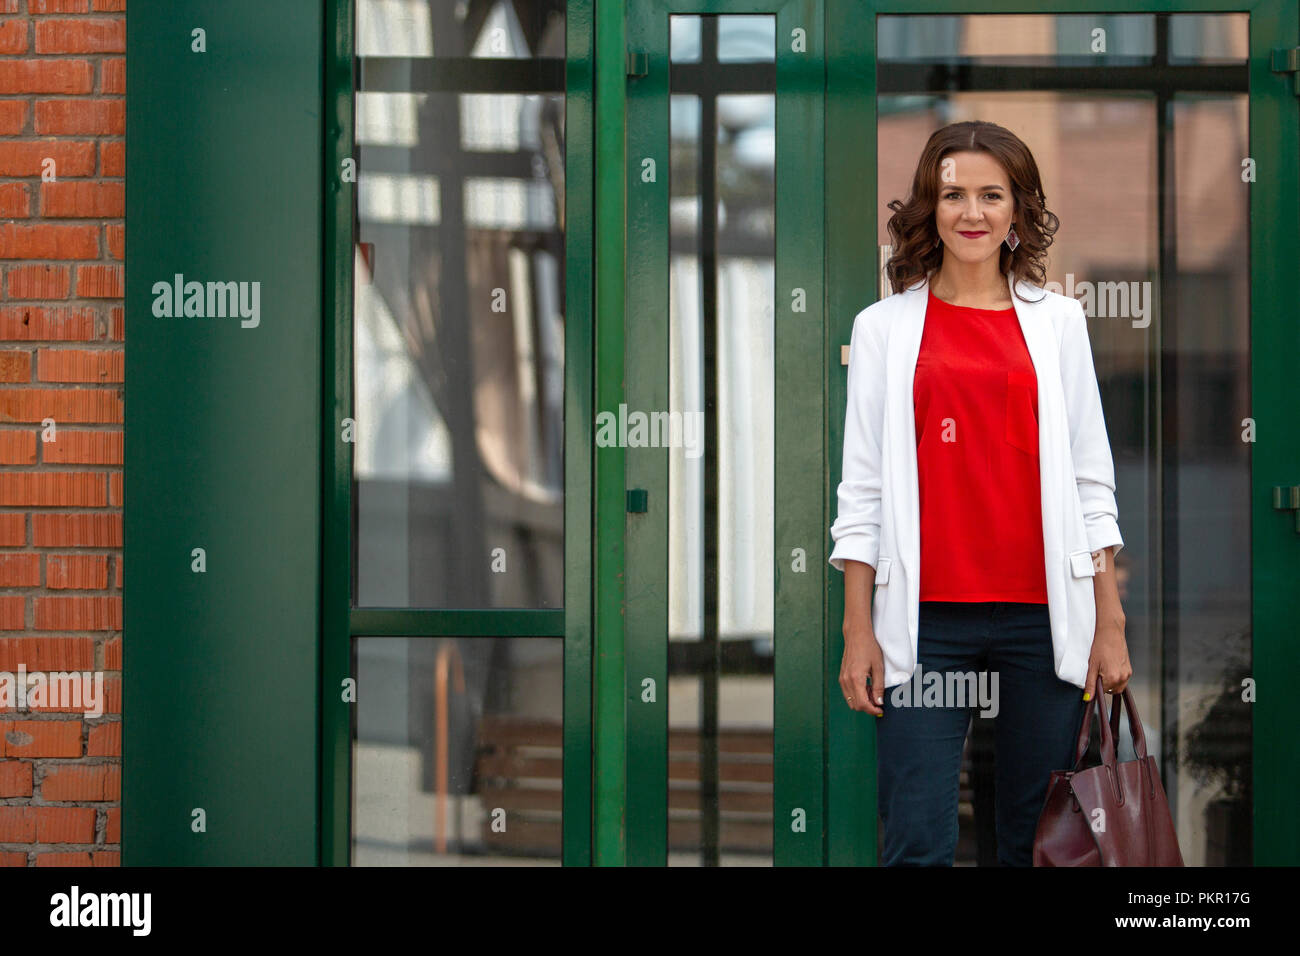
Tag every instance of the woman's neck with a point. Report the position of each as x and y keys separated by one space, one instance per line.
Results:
x=971 y=285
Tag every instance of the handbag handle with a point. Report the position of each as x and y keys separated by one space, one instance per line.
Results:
x=1085 y=731
x=1110 y=734
x=1107 y=734
x=1134 y=724
x=1110 y=728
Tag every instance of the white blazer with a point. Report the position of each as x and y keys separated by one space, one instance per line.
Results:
x=878 y=520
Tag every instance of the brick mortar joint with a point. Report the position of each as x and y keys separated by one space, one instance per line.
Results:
x=19 y=847
x=73 y=550
x=82 y=803
x=69 y=715
x=46 y=591
x=59 y=847
x=60 y=467
x=31 y=804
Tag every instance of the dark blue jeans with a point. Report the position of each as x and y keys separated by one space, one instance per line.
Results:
x=919 y=738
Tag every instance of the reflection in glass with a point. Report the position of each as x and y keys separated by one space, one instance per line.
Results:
x=501 y=29
x=743 y=39
x=684 y=39
x=1158 y=254
x=1076 y=39
x=457 y=751
x=722 y=247
x=459 y=309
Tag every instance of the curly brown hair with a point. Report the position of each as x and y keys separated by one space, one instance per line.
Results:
x=916 y=254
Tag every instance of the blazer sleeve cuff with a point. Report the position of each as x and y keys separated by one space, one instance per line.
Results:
x=1103 y=532
x=855 y=547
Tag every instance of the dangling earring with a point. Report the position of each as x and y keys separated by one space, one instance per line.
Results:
x=936 y=243
x=1012 y=239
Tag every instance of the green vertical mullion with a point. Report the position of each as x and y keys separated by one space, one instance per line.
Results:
x=610 y=733
x=1275 y=456
x=799 y=753
x=851 y=286
x=646 y=377
x=336 y=374
x=578 y=361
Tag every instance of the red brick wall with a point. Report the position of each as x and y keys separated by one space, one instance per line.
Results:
x=62 y=239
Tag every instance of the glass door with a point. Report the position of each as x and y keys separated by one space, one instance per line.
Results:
x=722 y=429
x=456 y=670
x=1168 y=149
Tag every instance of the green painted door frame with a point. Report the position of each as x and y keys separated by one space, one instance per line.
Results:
x=799 y=750
x=609 y=712
x=342 y=623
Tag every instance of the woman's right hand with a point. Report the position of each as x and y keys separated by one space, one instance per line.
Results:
x=863 y=662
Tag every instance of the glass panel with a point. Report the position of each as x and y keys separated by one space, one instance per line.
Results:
x=1209 y=38
x=394 y=28
x=744 y=39
x=684 y=39
x=457 y=751
x=497 y=28
x=459 y=308
x=1089 y=39
x=1148 y=231
x=722 y=370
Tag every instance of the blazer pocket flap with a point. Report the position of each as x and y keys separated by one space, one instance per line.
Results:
x=1081 y=564
x=882 y=570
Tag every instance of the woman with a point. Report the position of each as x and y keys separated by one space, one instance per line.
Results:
x=977 y=500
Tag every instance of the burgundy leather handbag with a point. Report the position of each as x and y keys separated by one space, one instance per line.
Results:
x=1114 y=814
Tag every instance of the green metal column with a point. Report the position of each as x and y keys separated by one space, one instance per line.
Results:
x=800 y=570
x=223 y=429
x=579 y=422
x=851 y=286
x=1275 y=456
x=646 y=379
x=609 y=778
x=339 y=226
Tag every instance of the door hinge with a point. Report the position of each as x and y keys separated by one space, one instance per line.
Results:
x=1287 y=60
x=638 y=64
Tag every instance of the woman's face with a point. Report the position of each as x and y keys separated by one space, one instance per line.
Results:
x=975 y=208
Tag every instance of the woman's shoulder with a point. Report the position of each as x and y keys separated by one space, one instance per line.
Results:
x=1044 y=303
x=1036 y=295
x=882 y=312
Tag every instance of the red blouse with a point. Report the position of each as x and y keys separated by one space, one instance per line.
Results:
x=976 y=401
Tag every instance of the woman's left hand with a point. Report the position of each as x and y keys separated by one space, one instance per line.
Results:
x=1109 y=658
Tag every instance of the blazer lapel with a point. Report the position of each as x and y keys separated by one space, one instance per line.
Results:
x=908 y=533
x=1040 y=340
x=1038 y=334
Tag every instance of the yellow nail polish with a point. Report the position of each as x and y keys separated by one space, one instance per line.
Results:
x=1087 y=696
